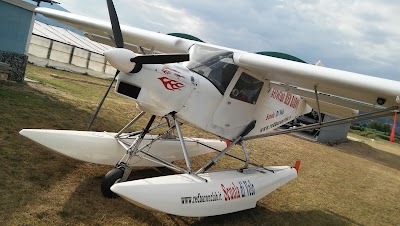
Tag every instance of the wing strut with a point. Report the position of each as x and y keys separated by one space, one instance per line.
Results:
x=366 y=116
x=319 y=109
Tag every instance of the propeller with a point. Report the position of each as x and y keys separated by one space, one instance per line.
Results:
x=119 y=40
x=119 y=43
x=127 y=61
x=161 y=58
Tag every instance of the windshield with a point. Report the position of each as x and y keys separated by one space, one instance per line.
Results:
x=214 y=64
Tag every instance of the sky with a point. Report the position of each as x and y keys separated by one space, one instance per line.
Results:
x=352 y=35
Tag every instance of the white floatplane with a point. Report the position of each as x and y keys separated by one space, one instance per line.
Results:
x=233 y=94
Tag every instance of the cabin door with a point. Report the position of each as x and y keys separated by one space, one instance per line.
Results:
x=237 y=108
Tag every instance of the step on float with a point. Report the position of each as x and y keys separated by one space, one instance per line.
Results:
x=187 y=195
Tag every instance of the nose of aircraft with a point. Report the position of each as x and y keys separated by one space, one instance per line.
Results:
x=120 y=59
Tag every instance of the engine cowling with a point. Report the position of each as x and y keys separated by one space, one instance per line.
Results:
x=157 y=89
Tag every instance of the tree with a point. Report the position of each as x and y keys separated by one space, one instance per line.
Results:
x=383 y=127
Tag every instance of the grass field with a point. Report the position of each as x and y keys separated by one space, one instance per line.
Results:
x=348 y=184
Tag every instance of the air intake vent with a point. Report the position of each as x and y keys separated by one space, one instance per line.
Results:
x=128 y=90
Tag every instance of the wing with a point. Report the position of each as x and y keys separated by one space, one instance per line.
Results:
x=340 y=93
x=100 y=31
x=339 y=87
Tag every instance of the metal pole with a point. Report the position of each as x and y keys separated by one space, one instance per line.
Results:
x=227 y=154
x=162 y=162
x=133 y=149
x=187 y=160
x=216 y=158
x=151 y=128
x=101 y=102
x=71 y=55
x=130 y=123
x=319 y=109
x=88 y=59
x=366 y=116
x=50 y=49
x=246 y=153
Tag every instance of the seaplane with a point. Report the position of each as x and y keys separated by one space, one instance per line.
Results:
x=236 y=95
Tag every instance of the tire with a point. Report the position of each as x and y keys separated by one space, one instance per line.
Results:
x=109 y=180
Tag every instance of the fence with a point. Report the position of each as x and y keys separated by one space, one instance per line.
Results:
x=46 y=52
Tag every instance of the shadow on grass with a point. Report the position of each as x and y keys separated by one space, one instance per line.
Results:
x=263 y=216
x=88 y=206
x=372 y=154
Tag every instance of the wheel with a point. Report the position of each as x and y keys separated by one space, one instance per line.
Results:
x=112 y=177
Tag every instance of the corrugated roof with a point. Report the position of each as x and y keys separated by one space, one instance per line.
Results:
x=68 y=37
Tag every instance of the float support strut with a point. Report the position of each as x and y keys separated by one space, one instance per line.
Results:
x=185 y=153
x=130 y=123
x=237 y=140
x=246 y=154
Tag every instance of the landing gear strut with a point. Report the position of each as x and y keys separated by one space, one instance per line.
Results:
x=121 y=171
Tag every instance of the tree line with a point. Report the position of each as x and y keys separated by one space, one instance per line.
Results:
x=374 y=129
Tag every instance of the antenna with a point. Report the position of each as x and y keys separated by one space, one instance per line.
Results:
x=48 y=1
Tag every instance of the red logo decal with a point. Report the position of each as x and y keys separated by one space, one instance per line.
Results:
x=171 y=84
x=169 y=71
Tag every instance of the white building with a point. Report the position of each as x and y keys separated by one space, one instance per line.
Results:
x=63 y=49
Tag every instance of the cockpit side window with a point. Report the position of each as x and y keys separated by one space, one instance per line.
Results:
x=247 y=89
x=214 y=64
x=221 y=75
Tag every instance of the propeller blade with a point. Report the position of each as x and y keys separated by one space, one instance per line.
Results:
x=119 y=41
x=101 y=102
x=160 y=58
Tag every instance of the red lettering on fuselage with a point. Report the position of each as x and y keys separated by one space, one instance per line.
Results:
x=295 y=103
x=287 y=98
x=230 y=193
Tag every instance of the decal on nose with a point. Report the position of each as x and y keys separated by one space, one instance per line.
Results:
x=171 y=84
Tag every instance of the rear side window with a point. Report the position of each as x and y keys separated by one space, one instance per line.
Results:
x=247 y=89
